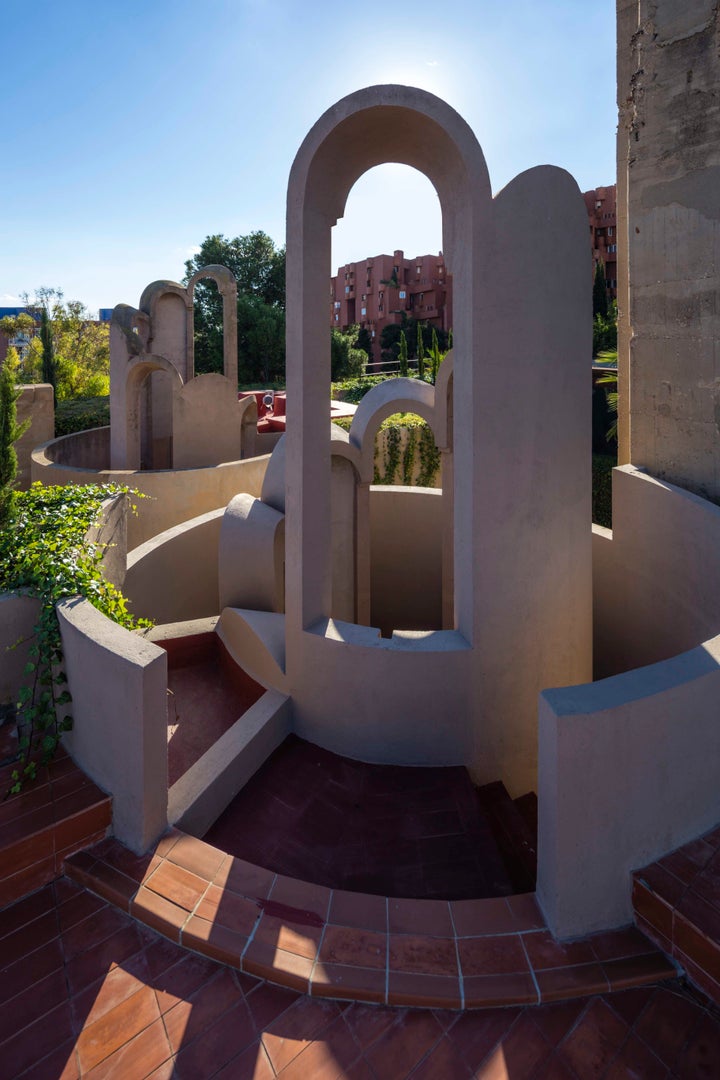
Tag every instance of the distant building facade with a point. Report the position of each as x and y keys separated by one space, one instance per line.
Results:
x=377 y=292
x=601 y=204
x=20 y=341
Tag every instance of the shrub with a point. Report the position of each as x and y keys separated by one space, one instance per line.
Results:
x=79 y=414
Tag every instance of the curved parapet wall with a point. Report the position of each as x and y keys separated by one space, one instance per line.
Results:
x=174 y=496
x=629 y=767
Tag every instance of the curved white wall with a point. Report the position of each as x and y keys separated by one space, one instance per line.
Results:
x=629 y=767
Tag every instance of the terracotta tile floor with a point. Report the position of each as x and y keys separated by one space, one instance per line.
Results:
x=677 y=904
x=334 y=944
x=87 y=991
x=393 y=831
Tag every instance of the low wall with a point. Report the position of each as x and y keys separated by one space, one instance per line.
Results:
x=18 y=616
x=629 y=767
x=656 y=575
x=174 y=496
x=118 y=682
x=406 y=558
x=36 y=403
x=174 y=577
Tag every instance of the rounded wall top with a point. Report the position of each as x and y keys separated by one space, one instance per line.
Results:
x=386 y=123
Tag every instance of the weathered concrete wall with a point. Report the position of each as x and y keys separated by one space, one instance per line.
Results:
x=36 y=404
x=669 y=214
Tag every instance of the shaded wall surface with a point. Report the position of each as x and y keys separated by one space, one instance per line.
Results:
x=669 y=214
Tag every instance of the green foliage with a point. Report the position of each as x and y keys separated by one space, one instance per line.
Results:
x=390 y=336
x=611 y=396
x=72 y=350
x=9 y=434
x=49 y=367
x=435 y=357
x=429 y=458
x=44 y=553
x=259 y=269
x=420 y=349
x=354 y=390
x=365 y=342
x=261 y=341
x=346 y=360
x=605 y=331
x=80 y=414
x=403 y=356
x=406 y=437
x=600 y=293
x=602 y=466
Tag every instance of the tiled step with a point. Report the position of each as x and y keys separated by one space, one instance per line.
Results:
x=514 y=835
x=677 y=905
x=359 y=947
x=53 y=816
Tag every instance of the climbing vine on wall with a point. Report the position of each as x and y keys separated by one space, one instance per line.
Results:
x=44 y=552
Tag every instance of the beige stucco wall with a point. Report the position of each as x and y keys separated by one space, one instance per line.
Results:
x=669 y=217
x=118 y=682
x=174 y=496
x=406 y=558
x=174 y=576
x=629 y=767
x=18 y=616
x=36 y=403
x=656 y=576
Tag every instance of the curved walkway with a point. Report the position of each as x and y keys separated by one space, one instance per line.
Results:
x=89 y=992
x=352 y=946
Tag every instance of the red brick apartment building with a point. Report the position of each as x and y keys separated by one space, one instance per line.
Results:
x=601 y=204
x=378 y=291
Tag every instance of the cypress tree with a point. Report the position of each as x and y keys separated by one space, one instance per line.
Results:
x=434 y=356
x=403 y=355
x=420 y=352
x=600 y=296
x=9 y=433
x=49 y=367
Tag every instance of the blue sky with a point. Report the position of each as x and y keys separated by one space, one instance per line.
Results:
x=133 y=130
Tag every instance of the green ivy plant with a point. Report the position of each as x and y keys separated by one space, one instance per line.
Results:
x=44 y=552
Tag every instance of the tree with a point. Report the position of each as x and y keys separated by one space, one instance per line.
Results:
x=259 y=269
x=435 y=357
x=365 y=342
x=600 y=294
x=49 y=367
x=10 y=432
x=346 y=361
x=403 y=356
x=420 y=352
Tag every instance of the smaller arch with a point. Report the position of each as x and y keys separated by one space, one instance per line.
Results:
x=227 y=287
x=138 y=371
x=395 y=395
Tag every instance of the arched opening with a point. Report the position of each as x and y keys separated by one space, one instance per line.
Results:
x=207 y=327
x=389 y=275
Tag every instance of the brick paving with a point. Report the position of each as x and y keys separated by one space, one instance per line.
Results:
x=88 y=991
